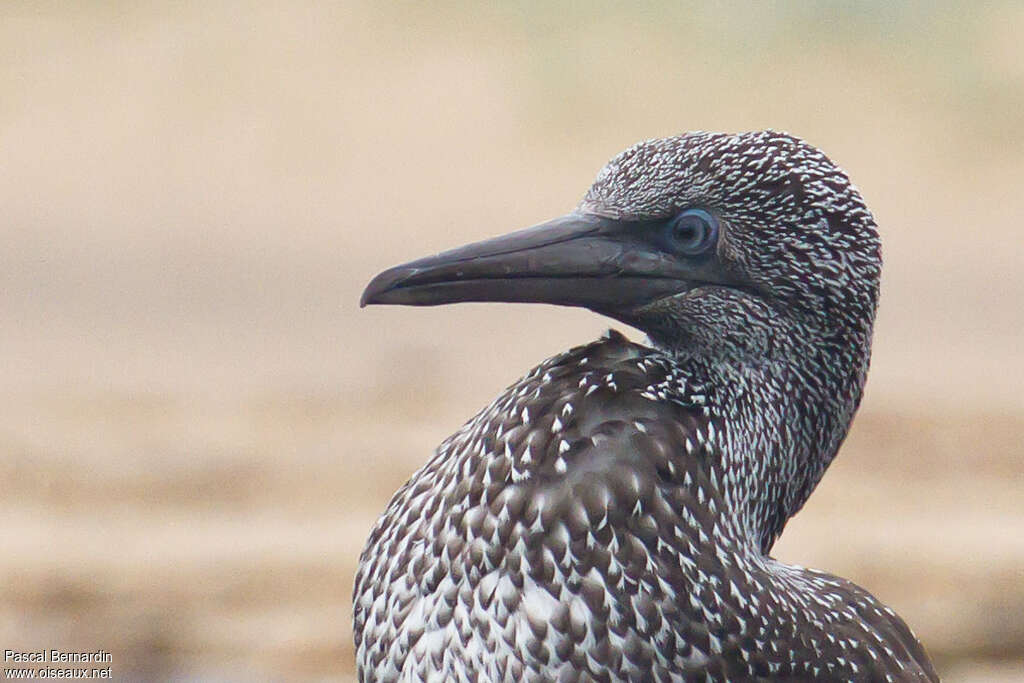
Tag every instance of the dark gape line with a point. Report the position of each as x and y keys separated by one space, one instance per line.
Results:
x=609 y=517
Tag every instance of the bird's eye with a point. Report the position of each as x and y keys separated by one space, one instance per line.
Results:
x=692 y=232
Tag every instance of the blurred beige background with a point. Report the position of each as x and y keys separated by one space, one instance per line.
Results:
x=198 y=425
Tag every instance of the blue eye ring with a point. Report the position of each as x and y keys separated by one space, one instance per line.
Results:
x=692 y=232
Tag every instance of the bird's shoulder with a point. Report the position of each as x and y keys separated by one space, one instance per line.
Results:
x=593 y=432
x=611 y=396
x=613 y=377
x=601 y=417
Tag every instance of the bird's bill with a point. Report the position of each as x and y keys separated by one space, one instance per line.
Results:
x=576 y=260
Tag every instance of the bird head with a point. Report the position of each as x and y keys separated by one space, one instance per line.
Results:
x=705 y=241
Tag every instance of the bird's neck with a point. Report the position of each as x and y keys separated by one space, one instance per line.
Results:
x=783 y=395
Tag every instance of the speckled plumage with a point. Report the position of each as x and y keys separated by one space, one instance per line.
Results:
x=609 y=516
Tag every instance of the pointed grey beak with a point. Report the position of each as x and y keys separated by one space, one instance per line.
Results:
x=576 y=260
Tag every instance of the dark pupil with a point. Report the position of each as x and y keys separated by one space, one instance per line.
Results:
x=688 y=231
